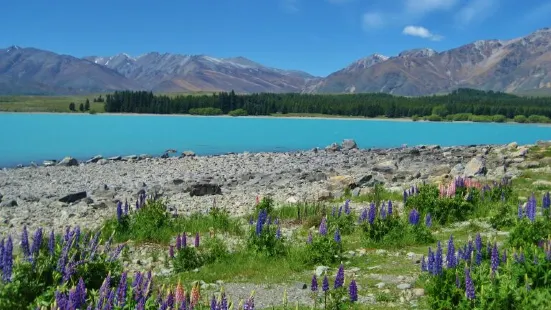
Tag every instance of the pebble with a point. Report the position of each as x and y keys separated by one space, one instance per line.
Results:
x=403 y=286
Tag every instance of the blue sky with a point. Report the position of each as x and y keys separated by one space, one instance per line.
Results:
x=317 y=36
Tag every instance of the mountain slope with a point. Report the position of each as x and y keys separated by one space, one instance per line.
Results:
x=34 y=71
x=518 y=65
x=172 y=72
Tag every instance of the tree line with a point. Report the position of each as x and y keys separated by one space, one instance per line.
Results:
x=460 y=101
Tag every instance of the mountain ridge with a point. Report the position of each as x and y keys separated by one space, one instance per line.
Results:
x=517 y=65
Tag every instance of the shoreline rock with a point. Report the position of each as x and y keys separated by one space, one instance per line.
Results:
x=32 y=195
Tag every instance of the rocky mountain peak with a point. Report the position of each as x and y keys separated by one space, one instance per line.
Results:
x=418 y=52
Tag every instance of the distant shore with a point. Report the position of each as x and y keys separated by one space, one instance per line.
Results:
x=283 y=116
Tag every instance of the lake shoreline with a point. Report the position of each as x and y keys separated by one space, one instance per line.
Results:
x=86 y=194
x=307 y=117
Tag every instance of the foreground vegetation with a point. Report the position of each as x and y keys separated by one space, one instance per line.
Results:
x=480 y=245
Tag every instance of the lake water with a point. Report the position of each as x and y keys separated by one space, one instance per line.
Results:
x=35 y=137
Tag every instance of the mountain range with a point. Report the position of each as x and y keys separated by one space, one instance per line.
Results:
x=517 y=66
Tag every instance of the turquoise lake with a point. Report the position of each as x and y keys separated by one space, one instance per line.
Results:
x=36 y=137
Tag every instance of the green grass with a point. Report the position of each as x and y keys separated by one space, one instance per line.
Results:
x=47 y=103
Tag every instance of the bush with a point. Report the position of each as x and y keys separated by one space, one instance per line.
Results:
x=538 y=119
x=342 y=219
x=324 y=248
x=238 y=112
x=265 y=237
x=481 y=118
x=205 y=111
x=186 y=257
x=486 y=277
x=434 y=118
x=415 y=118
x=498 y=118
x=520 y=119
x=461 y=117
x=49 y=262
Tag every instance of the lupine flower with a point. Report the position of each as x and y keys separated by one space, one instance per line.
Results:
x=413 y=217
x=7 y=265
x=170 y=299
x=546 y=201
x=196 y=240
x=51 y=242
x=309 y=241
x=337 y=236
x=531 y=208
x=213 y=304
x=347 y=209
x=430 y=262
x=339 y=279
x=278 y=232
x=171 y=251
x=405 y=196
x=25 y=243
x=457 y=280
x=323 y=227
x=340 y=211
x=363 y=215
x=37 y=242
x=495 y=258
x=184 y=240
x=178 y=242
x=1 y=255
x=389 y=211
x=314 y=286
x=121 y=291
x=119 y=211
x=450 y=257
x=383 y=211
x=504 y=256
x=353 y=291
x=333 y=210
x=325 y=284
x=180 y=293
x=438 y=259
x=249 y=304
x=223 y=302
x=195 y=295
x=372 y=213
x=423 y=264
x=469 y=286
x=520 y=212
x=428 y=220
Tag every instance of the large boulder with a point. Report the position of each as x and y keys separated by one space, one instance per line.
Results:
x=94 y=159
x=341 y=182
x=334 y=147
x=476 y=167
x=387 y=166
x=73 y=197
x=203 y=189
x=188 y=154
x=348 y=144
x=68 y=162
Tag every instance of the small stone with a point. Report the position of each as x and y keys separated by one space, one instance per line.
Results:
x=380 y=285
x=418 y=292
x=320 y=270
x=403 y=286
x=381 y=252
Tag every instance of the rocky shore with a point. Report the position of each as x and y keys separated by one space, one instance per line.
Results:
x=71 y=193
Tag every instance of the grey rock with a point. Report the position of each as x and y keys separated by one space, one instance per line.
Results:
x=49 y=163
x=130 y=157
x=419 y=292
x=320 y=270
x=476 y=167
x=387 y=166
x=188 y=154
x=8 y=203
x=94 y=159
x=356 y=192
x=403 y=286
x=68 y=162
x=73 y=197
x=115 y=158
x=202 y=189
x=380 y=285
x=334 y=147
x=349 y=144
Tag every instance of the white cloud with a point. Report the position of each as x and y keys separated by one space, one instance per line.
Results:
x=372 y=20
x=476 y=11
x=422 y=32
x=426 y=6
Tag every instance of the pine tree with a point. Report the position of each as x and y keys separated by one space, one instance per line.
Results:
x=72 y=106
x=87 y=105
x=81 y=107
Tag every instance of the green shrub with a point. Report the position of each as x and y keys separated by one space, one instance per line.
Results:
x=461 y=117
x=434 y=118
x=205 y=111
x=538 y=119
x=342 y=219
x=415 y=118
x=238 y=112
x=520 y=119
x=527 y=232
x=265 y=237
x=498 y=118
x=323 y=248
x=481 y=118
x=187 y=258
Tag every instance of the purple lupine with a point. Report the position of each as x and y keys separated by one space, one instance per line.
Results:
x=213 y=303
x=223 y=303
x=372 y=213
x=81 y=291
x=278 y=232
x=314 y=285
x=430 y=262
x=495 y=258
x=325 y=284
x=178 y=242
x=405 y=196
x=115 y=254
x=121 y=290
x=171 y=251
x=450 y=257
x=457 y=280
x=25 y=243
x=520 y=213
x=428 y=220
x=353 y=291
x=119 y=211
x=51 y=243
x=196 y=243
x=504 y=256
x=546 y=201
x=423 y=264
x=389 y=207
x=323 y=227
x=413 y=217
x=339 y=279
x=469 y=286
x=170 y=300
x=531 y=208
x=7 y=265
x=1 y=254
x=340 y=212
x=309 y=241
x=383 y=211
x=126 y=207
x=438 y=259
x=37 y=242
x=363 y=215
x=249 y=304
x=347 y=209
x=337 y=236
x=184 y=240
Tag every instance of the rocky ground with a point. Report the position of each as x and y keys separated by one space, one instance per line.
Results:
x=72 y=193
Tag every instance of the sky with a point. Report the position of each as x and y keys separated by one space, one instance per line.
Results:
x=316 y=36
